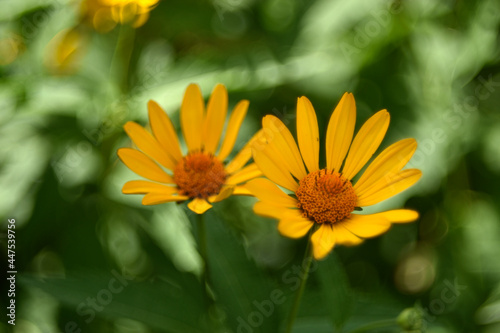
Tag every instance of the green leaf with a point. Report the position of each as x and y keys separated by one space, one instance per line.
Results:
x=165 y=304
x=240 y=288
x=336 y=290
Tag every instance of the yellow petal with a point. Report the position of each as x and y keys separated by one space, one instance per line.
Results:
x=274 y=211
x=390 y=161
x=215 y=119
x=65 y=51
x=103 y=20
x=399 y=215
x=125 y=12
x=192 y=117
x=143 y=165
x=140 y=20
x=249 y=172
x=233 y=127
x=164 y=130
x=279 y=137
x=267 y=191
x=308 y=133
x=366 y=143
x=366 y=226
x=389 y=186
x=148 y=144
x=241 y=190
x=146 y=5
x=294 y=227
x=244 y=155
x=199 y=206
x=344 y=236
x=272 y=169
x=323 y=241
x=223 y=194
x=157 y=198
x=143 y=187
x=340 y=132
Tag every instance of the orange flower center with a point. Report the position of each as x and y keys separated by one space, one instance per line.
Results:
x=326 y=196
x=199 y=175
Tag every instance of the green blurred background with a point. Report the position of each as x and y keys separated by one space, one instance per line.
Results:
x=68 y=82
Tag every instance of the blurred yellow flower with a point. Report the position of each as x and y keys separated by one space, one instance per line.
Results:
x=200 y=175
x=104 y=15
x=65 y=51
x=11 y=47
x=326 y=198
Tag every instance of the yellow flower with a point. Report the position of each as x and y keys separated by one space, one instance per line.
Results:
x=200 y=175
x=104 y=15
x=326 y=198
x=65 y=51
x=11 y=46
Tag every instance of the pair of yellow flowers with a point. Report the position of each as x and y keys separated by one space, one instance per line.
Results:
x=323 y=199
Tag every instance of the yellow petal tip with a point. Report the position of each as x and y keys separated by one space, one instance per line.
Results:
x=199 y=206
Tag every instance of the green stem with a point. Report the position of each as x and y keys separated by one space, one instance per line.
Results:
x=202 y=243
x=375 y=325
x=298 y=295
x=122 y=55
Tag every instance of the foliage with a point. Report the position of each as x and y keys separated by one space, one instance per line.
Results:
x=66 y=90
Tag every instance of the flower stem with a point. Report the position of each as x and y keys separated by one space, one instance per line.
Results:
x=202 y=243
x=122 y=55
x=298 y=295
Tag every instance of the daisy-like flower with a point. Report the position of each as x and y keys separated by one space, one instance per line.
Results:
x=201 y=174
x=104 y=15
x=327 y=199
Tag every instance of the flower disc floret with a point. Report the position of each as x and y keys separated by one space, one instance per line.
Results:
x=199 y=175
x=326 y=196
